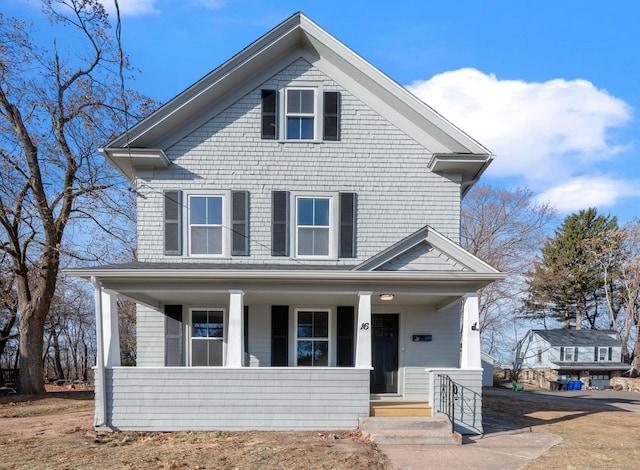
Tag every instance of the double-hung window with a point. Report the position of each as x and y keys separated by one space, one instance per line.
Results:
x=207 y=333
x=205 y=225
x=313 y=226
x=301 y=113
x=569 y=354
x=312 y=339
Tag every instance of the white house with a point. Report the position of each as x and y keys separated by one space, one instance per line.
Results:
x=298 y=220
x=547 y=358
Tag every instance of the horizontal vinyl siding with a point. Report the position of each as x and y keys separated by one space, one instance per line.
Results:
x=260 y=335
x=443 y=349
x=396 y=192
x=171 y=399
x=149 y=337
x=416 y=383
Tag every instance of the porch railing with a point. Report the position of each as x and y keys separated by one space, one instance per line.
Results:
x=448 y=397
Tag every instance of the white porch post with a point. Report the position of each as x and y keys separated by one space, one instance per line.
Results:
x=101 y=391
x=363 y=342
x=111 y=336
x=470 y=356
x=235 y=332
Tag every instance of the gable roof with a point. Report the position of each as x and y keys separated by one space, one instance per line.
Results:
x=460 y=259
x=564 y=337
x=298 y=37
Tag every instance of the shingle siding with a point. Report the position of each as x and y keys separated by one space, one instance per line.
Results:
x=397 y=194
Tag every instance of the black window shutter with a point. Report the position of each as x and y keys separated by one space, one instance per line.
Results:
x=172 y=222
x=240 y=223
x=347 y=238
x=610 y=353
x=279 y=335
x=575 y=354
x=269 y=114
x=561 y=353
x=346 y=337
x=173 y=331
x=246 y=329
x=595 y=354
x=331 y=118
x=280 y=224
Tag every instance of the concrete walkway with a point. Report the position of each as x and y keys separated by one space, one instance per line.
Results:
x=492 y=451
x=502 y=447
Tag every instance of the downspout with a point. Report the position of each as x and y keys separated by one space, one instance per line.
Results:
x=100 y=351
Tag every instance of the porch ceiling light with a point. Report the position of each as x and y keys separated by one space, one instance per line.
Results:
x=386 y=297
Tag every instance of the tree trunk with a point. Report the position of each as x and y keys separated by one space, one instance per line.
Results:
x=57 y=359
x=31 y=344
x=635 y=363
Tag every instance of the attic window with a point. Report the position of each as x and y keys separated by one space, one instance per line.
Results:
x=306 y=113
x=301 y=112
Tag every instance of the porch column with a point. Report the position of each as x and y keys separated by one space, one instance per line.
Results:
x=470 y=355
x=110 y=334
x=235 y=331
x=101 y=389
x=363 y=342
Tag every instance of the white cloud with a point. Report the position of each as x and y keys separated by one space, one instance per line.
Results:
x=131 y=7
x=589 y=191
x=541 y=132
x=550 y=135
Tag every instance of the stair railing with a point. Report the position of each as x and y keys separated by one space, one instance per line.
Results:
x=448 y=397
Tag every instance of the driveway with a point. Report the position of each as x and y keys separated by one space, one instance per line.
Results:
x=588 y=399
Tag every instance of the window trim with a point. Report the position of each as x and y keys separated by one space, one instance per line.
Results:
x=224 y=226
x=300 y=115
x=602 y=349
x=570 y=356
x=190 y=336
x=329 y=339
x=333 y=224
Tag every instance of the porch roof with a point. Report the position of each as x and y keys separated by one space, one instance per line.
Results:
x=154 y=284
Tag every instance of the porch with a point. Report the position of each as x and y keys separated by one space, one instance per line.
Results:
x=246 y=385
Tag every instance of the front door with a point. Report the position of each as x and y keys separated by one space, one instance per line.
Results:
x=384 y=344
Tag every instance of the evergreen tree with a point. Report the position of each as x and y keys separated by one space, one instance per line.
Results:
x=566 y=283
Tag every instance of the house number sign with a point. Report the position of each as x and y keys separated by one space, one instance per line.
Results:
x=364 y=326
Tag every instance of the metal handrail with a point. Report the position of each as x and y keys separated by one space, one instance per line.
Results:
x=448 y=398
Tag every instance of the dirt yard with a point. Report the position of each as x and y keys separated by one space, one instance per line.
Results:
x=56 y=432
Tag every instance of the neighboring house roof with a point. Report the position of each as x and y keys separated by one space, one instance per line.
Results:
x=592 y=365
x=450 y=150
x=564 y=337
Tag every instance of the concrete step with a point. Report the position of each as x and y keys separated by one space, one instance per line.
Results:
x=404 y=422
x=415 y=437
x=409 y=430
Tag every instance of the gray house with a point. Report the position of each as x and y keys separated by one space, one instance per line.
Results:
x=547 y=357
x=298 y=220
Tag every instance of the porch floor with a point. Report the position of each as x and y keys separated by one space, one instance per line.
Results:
x=396 y=406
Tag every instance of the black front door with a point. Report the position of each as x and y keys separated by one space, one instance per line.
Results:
x=384 y=344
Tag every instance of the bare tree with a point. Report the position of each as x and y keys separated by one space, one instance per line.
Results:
x=505 y=228
x=57 y=106
x=618 y=255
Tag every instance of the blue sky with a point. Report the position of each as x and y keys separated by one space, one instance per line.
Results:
x=551 y=87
